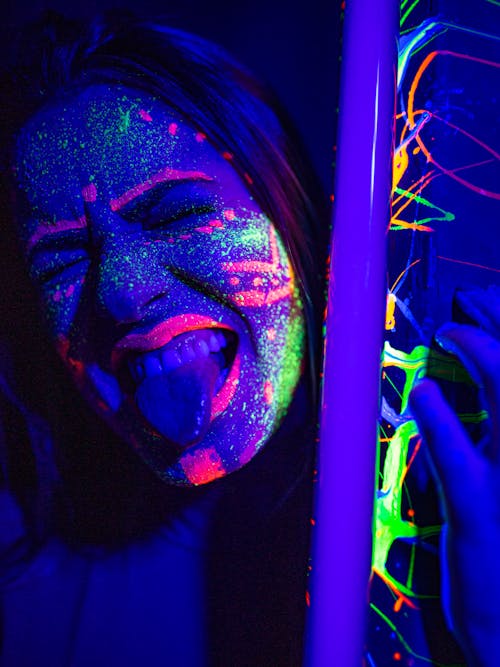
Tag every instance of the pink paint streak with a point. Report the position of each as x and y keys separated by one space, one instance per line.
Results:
x=268 y=392
x=145 y=116
x=46 y=228
x=89 y=193
x=164 y=176
x=221 y=401
x=257 y=299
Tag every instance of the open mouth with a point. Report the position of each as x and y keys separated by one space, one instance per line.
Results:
x=181 y=386
x=191 y=348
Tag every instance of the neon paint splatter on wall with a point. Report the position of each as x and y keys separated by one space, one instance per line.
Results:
x=445 y=203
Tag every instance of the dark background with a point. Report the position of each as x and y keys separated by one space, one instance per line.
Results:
x=294 y=47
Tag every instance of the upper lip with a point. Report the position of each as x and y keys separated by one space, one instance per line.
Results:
x=161 y=334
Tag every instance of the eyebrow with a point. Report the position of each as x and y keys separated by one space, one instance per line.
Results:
x=166 y=175
x=46 y=228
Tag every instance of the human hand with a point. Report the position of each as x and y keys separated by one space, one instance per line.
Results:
x=469 y=480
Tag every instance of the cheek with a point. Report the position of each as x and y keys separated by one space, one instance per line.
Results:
x=60 y=303
x=244 y=261
x=242 y=257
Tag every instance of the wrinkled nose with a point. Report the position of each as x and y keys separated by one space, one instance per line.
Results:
x=130 y=277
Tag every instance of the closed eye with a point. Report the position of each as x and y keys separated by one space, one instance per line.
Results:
x=47 y=266
x=184 y=200
x=179 y=212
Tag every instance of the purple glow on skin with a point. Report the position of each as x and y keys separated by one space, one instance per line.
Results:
x=198 y=385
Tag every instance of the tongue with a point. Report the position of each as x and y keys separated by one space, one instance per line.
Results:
x=178 y=404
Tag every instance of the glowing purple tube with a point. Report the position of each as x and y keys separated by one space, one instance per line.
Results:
x=354 y=333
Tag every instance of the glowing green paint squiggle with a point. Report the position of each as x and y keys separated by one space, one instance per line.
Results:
x=389 y=524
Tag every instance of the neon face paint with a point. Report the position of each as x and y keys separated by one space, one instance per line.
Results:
x=168 y=292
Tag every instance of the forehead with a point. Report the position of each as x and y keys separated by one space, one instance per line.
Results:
x=108 y=135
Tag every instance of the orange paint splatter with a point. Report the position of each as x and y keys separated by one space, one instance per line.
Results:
x=227 y=156
x=229 y=214
x=271 y=334
x=172 y=129
x=234 y=280
x=199 y=136
x=390 y=319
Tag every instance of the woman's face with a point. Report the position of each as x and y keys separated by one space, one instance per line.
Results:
x=168 y=293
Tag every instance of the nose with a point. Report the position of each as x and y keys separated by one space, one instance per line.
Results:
x=129 y=277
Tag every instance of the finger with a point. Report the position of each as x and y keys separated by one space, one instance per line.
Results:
x=480 y=354
x=482 y=306
x=455 y=460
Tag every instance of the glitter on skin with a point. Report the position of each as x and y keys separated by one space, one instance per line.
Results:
x=157 y=266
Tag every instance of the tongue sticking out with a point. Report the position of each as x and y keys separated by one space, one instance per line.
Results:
x=178 y=404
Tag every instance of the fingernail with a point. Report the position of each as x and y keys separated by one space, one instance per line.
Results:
x=442 y=339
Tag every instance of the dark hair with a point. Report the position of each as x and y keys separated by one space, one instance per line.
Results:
x=58 y=57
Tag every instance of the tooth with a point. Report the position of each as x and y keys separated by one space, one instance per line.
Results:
x=170 y=359
x=200 y=346
x=152 y=366
x=213 y=344
x=187 y=353
x=221 y=339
